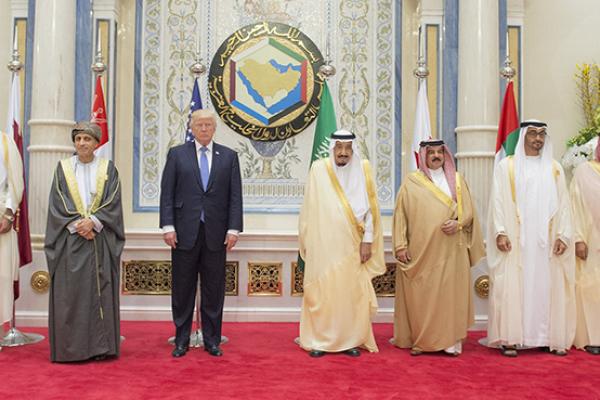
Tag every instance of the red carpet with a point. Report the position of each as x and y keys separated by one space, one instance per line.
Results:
x=261 y=361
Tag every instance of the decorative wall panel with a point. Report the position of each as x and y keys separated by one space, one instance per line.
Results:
x=385 y=285
x=264 y=279
x=297 y=280
x=146 y=277
x=361 y=46
x=232 y=284
x=151 y=277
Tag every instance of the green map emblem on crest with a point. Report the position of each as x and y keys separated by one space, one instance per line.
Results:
x=263 y=81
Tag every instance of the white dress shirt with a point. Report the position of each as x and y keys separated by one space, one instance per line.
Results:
x=439 y=179
x=85 y=174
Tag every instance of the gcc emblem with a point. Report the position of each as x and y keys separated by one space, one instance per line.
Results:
x=263 y=81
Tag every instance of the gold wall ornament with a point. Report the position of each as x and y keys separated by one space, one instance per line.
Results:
x=297 y=280
x=146 y=277
x=264 y=278
x=232 y=278
x=40 y=281
x=482 y=286
x=385 y=285
x=153 y=277
x=264 y=81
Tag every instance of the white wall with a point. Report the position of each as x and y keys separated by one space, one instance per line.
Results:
x=557 y=35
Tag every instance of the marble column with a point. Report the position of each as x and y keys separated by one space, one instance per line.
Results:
x=52 y=102
x=478 y=96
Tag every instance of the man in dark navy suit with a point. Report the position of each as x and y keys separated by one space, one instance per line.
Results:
x=201 y=218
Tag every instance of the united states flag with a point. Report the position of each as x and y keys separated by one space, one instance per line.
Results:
x=195 y=104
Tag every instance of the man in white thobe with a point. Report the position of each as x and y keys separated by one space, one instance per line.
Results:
x=585 y=193
x=11 y=192
x=530 y=254
x=341 y=243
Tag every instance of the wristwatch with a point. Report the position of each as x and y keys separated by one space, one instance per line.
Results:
x=11 y=218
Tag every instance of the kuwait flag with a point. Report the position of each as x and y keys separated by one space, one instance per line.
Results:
x=326 y=125
x=422 y=124
x=22 y=219
x=99 y=117
x=508 y=127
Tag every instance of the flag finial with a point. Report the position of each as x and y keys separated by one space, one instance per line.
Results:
x=508 y=72
x=421 y=71
x=15 y=64
x=198 y=68
x=98 y=66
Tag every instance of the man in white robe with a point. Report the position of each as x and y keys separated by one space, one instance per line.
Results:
x=585 y=194
x=530 y=250
x=341 y=243
x=11 y=192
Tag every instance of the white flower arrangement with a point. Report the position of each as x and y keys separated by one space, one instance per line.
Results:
x=578 y=154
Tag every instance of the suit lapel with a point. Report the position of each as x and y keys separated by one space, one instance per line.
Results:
x=191 y=152
x=216 y=162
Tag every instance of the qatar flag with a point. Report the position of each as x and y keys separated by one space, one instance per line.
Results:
x=21 y=225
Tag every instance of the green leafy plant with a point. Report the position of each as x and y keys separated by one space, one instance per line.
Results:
x=587 y=79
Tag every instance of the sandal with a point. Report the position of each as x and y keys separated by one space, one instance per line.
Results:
x=415 y=351
x=560 y=353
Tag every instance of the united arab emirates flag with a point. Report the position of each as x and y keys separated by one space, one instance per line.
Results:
x=508 y=127
x=326 y=125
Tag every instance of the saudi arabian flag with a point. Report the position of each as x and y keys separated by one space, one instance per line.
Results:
x=326 y=125
x=508 y=127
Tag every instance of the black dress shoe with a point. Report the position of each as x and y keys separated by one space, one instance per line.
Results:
x=561 y=352
x=214 y=351
x=353 y=352
x=316 y=353
x=179 y=351
x=509 y=351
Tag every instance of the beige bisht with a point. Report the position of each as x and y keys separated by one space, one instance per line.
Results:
x=585 y=194
x=433 y=307
x=505 y=307
x=11 y=192
x=339 y=299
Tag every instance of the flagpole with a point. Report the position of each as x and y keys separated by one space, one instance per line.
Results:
x=196 y=338
x=422 y=126
x=98 y=68
x=507 y=72
x=421 y=72
x=14 y=337
x=326 y=121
